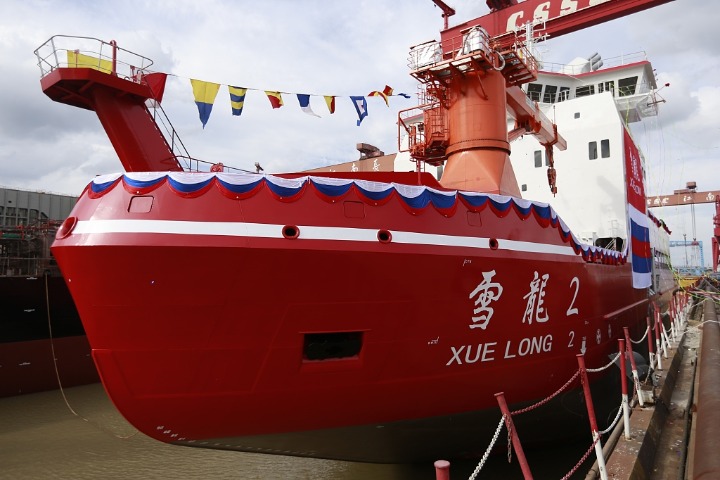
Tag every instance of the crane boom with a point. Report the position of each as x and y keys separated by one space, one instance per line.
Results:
x=448 y=11
x=683 y=198
x=560 y=16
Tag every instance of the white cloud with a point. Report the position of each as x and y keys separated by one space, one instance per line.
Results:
x=341 y=48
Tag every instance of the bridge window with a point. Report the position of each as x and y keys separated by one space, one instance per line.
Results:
x=538 y=158
x=626 y=86
x=605 y=148
x=534 y=91
x=585 y=91
x=592 y=150
x=550 y=92
x=607 y=87
x=564 y=94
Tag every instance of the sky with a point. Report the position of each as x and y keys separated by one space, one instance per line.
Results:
x=322 y=47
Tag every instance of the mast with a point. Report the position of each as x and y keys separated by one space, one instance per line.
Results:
x=95 y=82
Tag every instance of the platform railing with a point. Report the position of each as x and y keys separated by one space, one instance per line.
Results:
x=610 y=62
x=65 y=51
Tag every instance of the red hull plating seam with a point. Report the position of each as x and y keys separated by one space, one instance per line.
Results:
x=200 y=336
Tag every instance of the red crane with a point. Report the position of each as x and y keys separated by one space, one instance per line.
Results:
x=472 y=82
x=447 y=11
x=716 y=236
x=559 y=16
x=688 y=196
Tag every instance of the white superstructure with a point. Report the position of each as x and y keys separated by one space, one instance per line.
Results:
x=591 y=108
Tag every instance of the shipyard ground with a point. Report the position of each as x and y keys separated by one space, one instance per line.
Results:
x=665 y=442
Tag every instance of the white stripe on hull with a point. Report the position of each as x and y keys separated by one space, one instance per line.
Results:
x=308 y=232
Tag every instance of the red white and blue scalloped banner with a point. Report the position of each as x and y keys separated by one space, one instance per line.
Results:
x=415 y=198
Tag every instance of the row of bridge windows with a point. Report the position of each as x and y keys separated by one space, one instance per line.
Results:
x=552 y=93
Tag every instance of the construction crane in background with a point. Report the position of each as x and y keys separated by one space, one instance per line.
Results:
x=685 y=196
x=690 y=196
x=716 y=236
x=695 y=260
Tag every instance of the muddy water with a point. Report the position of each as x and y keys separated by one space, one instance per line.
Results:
x=41 y=438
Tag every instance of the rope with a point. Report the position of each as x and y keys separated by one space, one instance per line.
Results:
x=696 y=327
x=57 y=374
x=543 y=402
x=52 y=346
x=614 y=422
x=485 y=456
x=647 y=329
x=595 y=370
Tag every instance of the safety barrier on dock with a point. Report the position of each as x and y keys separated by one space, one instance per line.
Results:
x=642 y=393
x=706 y=461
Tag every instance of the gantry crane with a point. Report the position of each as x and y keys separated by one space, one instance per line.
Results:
x=689 y=196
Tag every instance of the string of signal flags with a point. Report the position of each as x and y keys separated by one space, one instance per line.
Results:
x=205 y=94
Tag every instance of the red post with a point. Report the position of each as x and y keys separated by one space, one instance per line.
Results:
x=624 y=386
x=517 y=446
x=113 y=44
x=628 y=345
x=658 y=340
x=673 y=316
x=650 y=342
x=623 y=367
x=442 y=470
x=586 y=391
x=636 y=378
x=591 y=415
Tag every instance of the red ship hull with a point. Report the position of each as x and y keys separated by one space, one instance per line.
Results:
x=234 y=317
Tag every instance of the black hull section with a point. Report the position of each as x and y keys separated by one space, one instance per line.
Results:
x=464 y=436
x=30 y=334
